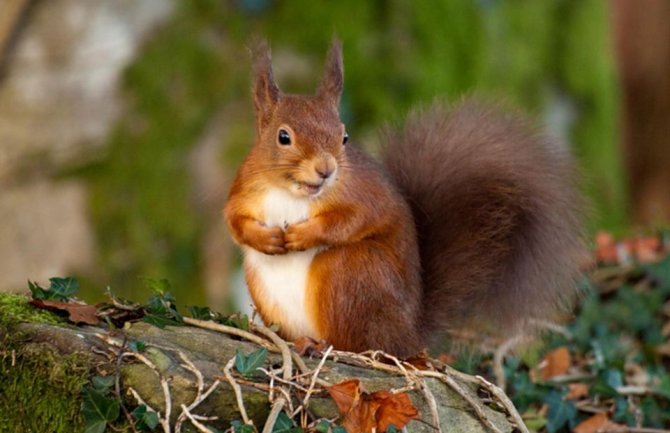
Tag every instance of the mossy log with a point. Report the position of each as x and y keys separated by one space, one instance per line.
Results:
x=44 y=365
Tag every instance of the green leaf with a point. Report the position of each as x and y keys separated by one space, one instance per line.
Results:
x=606 y=384
x=36 y=291
x=159 y=321
x=137 y=346
x=663 y=386
x=98 y=409
x=323 y=426
x=248 y=365
x=65 y=287
x=238 y=427
x=339 y=429
x=161 y=308
x=661 y=273
x=392 y=429
x=60 y=289
x=95 y=426
x=103 y=383
x=561 y=412
x=146 y=419
x=236 y=321
x=283 y=424
x=202 y=313
x=654 y=415
x=159 y=286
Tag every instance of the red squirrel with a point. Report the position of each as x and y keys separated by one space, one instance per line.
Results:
x=471 y=221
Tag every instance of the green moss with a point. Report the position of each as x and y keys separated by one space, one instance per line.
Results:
x=16 y=309
x=40 y=390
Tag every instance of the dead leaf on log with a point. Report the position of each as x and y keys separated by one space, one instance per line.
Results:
x=394 y=409
x=77 y=313
x=345 y=394
x=364 y=412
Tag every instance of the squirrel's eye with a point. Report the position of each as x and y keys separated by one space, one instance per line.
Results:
x=284 y=137
x=345 y=138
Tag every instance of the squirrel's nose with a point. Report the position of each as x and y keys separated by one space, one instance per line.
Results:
x=323 y=172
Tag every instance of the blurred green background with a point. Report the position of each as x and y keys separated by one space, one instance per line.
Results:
x=191 y=77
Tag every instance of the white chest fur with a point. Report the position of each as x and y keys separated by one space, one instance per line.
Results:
x=283 y=278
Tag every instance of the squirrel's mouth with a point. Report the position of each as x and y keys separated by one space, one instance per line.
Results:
x=310 y=188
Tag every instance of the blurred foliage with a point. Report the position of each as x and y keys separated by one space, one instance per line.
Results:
x=615 y=357
x=398 y=54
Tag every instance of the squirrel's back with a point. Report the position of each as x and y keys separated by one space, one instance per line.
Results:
x=497 y=213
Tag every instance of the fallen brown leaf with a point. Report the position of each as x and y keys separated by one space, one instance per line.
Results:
x=555 y=363
x=365 y=412
x=361 y=417
x=77 y=313
x=394 y=409
x=345 y=394
x=597 y=422
x=577 y=391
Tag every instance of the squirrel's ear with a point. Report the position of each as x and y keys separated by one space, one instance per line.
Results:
x=333 y=77
x=265 y=91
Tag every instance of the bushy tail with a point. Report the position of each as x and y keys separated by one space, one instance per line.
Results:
x=497 y=213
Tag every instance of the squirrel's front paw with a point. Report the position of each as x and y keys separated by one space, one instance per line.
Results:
x=303 y=236
x=268 y=240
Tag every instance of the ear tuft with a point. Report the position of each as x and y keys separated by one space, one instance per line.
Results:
x=265 y=91
x=333 y=77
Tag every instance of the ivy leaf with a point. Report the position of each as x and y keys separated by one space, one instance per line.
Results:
x=606 y=383
x=98 y=409
x=60 y=289
x=160 y=286
x=103 y=383
x=65 y=287
x=248 y=365
x=323 y=426
x=159 y=321
x=236 y=321
x=239 y=427
x=201 y=313
x=146 y=419
x=283 y=424
x=561 y=412
x=161 y=310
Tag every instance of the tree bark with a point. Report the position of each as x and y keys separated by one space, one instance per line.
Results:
x=209 y=352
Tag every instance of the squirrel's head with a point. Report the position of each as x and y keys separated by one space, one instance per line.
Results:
x=301 y=138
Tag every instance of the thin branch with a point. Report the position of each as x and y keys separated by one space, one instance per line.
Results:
x=305 y=401
x=213 y=326
x=237 y=390
x=476 y=406
x=197 y=424
x=499 y=358
x=500 y=395
x=432 y=405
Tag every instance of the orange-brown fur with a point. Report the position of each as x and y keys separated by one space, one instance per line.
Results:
x=474 y=195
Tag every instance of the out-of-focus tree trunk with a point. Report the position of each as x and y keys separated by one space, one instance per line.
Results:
x=11 y=12
x=642 y=37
